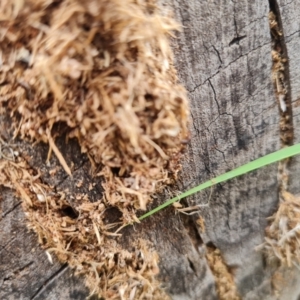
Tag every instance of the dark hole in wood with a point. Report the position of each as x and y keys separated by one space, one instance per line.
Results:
x=112 y=215
x=192 y=230
x=23 y=63
x=6 y=279
x=149 y=97
x=236 y=40
x=46 y=104
x=192 y=266
x=70 y=212
x=60 y=127
x=116 y=258
x=211 y=245
x=115 y=170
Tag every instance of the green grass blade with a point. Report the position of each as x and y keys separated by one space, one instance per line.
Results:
x=254 y=165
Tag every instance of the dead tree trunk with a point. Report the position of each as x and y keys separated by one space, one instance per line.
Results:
x=224 y=60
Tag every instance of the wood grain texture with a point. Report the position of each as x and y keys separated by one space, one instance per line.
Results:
x=26 y=272
x=235 y=120
x=223 y=56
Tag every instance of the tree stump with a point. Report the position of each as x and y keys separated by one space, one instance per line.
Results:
x=224 y=59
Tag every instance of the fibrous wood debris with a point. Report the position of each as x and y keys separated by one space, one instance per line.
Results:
x=282 y=236
x=102 y=70
x=225 y=284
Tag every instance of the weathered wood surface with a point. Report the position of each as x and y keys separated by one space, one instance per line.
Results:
x=224 y=60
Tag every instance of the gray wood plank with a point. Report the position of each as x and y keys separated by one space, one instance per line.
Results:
x=234 y=120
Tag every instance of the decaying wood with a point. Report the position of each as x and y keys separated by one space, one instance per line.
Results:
x=224 y=60
x=290 y=15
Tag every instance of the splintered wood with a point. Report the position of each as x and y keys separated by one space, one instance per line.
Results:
x=102 y=70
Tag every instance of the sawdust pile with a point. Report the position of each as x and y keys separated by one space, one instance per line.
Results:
x=225 y=284
x=84 y=240
x=103 y=69
x=282 y=236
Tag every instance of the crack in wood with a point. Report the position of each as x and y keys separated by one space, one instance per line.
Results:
x=23 y=269
x=197 y=86
x=237 y=40
x=10 y=210
x=6 y=244
x=282 y=87
x=192 y=229
x=48 y=281
x=280 y=74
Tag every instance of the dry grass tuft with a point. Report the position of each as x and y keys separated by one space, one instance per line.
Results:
x=103 y=69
